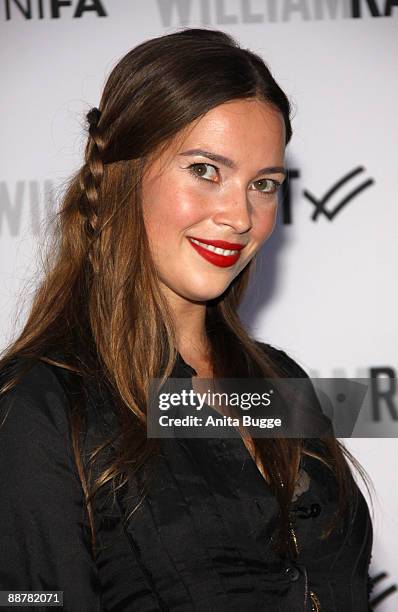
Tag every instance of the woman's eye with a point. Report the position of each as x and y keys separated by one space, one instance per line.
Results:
x=201 y=170
x=267 y=186
x=208 y=172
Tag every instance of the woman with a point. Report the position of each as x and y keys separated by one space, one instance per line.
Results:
x=185 y=152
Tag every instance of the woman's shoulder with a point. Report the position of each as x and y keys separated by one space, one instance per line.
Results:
x=306 y=399
x=44 y=396
x=286 y=363
x=31 y=379
x=35 y=443
x=31 y=396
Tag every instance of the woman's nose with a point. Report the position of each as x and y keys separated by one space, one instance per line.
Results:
x=235 y=212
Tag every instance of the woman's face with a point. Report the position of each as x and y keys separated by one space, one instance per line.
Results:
x=216 y=182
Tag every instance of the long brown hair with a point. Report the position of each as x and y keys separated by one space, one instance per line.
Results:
x=100 y=303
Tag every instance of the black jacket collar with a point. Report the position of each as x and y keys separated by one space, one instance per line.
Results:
x=182 y=369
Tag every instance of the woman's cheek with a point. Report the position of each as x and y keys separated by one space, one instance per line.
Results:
x=264 y=224
x=192 y=207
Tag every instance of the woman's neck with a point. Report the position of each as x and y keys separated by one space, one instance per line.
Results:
x=190 y=326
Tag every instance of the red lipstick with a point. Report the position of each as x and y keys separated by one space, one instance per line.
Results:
x=218 y=259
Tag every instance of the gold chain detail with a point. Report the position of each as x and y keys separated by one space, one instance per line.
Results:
x=294 y=539
x=315 y=603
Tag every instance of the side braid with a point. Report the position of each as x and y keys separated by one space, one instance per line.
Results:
x=91 y=174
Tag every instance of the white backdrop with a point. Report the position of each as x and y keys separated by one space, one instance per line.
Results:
x=324 y=288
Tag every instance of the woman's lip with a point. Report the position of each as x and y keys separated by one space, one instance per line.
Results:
x=222 y=244
x=222 y=261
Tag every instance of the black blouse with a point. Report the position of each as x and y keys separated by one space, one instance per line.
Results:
x=200 y=541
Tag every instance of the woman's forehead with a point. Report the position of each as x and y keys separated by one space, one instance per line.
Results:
x=233 y=128
x=233 y=118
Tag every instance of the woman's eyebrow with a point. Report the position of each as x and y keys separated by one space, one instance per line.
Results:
x=231 y=164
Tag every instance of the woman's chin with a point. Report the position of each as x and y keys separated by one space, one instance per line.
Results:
x=205 y=294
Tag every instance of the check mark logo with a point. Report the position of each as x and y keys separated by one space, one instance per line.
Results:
x=377 y=599
x=320 y=204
